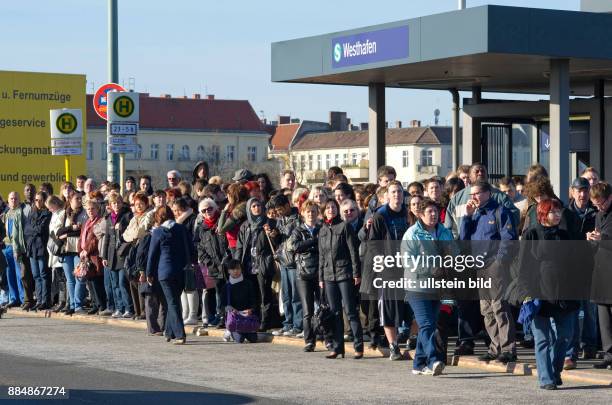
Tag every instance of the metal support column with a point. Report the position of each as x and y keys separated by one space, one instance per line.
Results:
x=376 y=128
x=559 y=126
x=455 y=135
x=112 y=165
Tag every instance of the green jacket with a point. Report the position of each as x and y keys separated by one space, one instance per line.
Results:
x=15 y=238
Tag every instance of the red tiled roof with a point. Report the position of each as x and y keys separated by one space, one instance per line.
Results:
x=283 y=135
x=189 y=113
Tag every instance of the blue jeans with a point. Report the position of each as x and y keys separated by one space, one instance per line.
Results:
x=587 y=335
x=551 y=343
x=108 y=289
x=13 y=276
x=42 y=280
x=121 y=290
x=291 y=300
x=69 y=264
x=426 y=316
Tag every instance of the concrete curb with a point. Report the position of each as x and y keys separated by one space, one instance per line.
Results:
x=518 y=368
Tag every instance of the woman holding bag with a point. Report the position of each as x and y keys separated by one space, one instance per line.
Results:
x=238 y=299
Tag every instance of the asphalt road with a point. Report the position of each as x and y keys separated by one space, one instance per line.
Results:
x=105 y=364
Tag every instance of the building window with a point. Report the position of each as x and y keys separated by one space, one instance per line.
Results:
x=426 y=157
x=345 y=159
x=336 y=160
x=327 y=161
x=230 y=152
x=185 y=153
x=319 y=162
x=252 y=153
x=104 y=151
x=354 y=159
x=405 y=160
x=215 y=154
x=302 y=162
x=154 y=151
x=89 y=150
x=200 y=152
x=364 y=156
x=310 y=160
x=137 y=155
x=170 y=152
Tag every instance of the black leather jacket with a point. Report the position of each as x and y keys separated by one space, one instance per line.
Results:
x=212 y=249
x=306 y=248
x=338 y=252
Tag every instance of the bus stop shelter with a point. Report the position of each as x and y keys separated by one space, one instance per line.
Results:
x=501 y=49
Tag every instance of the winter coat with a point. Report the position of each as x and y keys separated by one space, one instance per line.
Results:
x=36 y=233
x=253 y=249
x=338 y=252
x=113 y=239
x=89 y=243
x=168 y=252
x=602 y=273
x=229 y=223
x=212 y=250
x=70 y=218
x=286 y=225
x=306 y=248
x=54 y=225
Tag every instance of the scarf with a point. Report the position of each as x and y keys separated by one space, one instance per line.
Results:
x=233 y=280
x=87 y=228
x=113 y=216
x=212 y=222
x=258 y=221
x=184 y=216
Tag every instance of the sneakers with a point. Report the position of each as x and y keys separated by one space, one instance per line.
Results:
x=437 y=368
x=300 y=335
x=281 y=332
x=127 y=315
x=506 y=357
x=395 y=353
x=190 y=321
x=116 y=314
x=569 y=364
x=106 y=312
x=487 y=357
x=291 y=332
x=549 y=387
x=227 y=336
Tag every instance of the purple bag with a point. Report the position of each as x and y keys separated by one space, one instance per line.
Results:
x=236 y=322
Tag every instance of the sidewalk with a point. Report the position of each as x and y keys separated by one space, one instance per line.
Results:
x=526 y=366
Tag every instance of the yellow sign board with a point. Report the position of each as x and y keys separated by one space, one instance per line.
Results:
x=25 y=130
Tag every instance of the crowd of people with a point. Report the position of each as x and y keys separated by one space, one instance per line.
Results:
x=237 y=254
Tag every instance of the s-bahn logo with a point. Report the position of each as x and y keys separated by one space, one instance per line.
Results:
x=337 y=52
x=66 y=123
x=123 y=106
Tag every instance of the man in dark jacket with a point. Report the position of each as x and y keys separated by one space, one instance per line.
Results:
x=488 y=220
x=601 y=196
x=287 y=218
x=200 y=171
x=585 y=214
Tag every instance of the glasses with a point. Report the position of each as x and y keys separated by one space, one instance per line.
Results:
x=207 y=209
x=171 y=178
x=349 y=210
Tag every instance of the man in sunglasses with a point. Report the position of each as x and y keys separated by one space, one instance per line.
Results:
x=174 y=178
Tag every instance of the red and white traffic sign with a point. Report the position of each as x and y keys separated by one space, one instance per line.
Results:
x=100 y=98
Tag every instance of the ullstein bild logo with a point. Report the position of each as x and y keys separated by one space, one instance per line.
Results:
x=350 y=50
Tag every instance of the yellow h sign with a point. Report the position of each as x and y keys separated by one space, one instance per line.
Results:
x=123 y=106
x=66 y=123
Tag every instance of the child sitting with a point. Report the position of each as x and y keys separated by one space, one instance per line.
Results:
x=238 y=297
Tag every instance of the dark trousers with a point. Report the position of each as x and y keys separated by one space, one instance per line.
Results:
x=172 y=289
x=27 y=280
x=42 y=280
x=605 y=327
x=58 y=286
x=342 y=294
x=156 y=310
x=137 y=298
x=470 y=322
x=309 y=292
x=265 y=298
x=96 y=287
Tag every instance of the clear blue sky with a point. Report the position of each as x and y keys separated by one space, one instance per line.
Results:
x=187 y=46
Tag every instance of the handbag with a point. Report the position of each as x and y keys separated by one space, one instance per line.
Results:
x=190 y=278
x=55 y=246
x=237 y=322
x=85 y=270
x=209 y=282
x=323 y=320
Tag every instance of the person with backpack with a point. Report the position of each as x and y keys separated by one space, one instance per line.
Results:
x=339 y=272
x=304 y=242
x=287 y=218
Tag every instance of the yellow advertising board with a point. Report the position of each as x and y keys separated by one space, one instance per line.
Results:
x=25 y=130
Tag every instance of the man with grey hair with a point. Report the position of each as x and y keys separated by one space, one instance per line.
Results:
x=174 y=178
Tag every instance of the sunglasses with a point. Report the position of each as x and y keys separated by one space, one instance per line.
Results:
x=171 y=178
x=207 y=209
